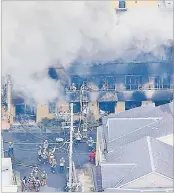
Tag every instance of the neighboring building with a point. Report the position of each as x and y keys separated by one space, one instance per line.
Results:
x=133 y=4
x=129 y=126
x=8 y=183
x=134 y=151
x=2 y=148
x=146 y=164
x=139 y=4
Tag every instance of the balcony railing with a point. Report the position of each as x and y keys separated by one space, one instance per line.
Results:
x=129 y=88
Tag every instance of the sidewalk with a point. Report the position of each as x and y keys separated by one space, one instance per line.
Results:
x=86 y=179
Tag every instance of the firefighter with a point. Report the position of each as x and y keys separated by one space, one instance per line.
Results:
x=44 y=156
x=51 y=154
x=40 y=154
x=51 y=158
x=35 y=171
x=83 y=87
x=45 y=144
x=105 y=86
x=24 y=184
x=94 y=151
x=37 y=184
x=92 y=157
x=43 y=178
x=78 y=137
x=90 y=144
x=10 y=149
x=53 y=166
x=62 y=165
x=51 y=151
x=31 y=180
x=73 y=87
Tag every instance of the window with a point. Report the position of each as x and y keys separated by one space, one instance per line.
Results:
x=158 y=82
x=162 y=82
x=107 y=107
x=133 y=82
x=107 y=83
x=111 y=82
x=30 y=110
x=76 y=107
x=166 y=81
x=52 y=107
x=122 y=4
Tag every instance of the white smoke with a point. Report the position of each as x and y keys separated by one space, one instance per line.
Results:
x=36 y=35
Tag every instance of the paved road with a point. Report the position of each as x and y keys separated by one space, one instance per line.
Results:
x=27 y=154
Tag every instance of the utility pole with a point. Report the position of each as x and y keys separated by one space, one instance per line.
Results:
x=71 y=150
x=9 y=96
x=84 y=109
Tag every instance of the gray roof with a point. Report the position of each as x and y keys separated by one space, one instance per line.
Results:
x=124 y=131
x=144 y=111
x=163 y=159
x=110 y=169
x=120 y=127
x=154 y=190
x=147 y=154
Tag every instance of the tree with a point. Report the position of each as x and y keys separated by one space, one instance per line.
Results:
x=91 y=119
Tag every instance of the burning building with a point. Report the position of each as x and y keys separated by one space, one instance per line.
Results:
x=113 y=86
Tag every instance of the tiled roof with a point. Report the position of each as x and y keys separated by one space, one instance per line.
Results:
x=124 y=129
x=146 y=155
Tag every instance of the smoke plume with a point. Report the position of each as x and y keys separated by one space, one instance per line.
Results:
x=37 y=35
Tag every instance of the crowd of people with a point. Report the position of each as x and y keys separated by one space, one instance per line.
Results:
x=46 y=155
x=35 y=180
x=86 y=87
x=38 y=178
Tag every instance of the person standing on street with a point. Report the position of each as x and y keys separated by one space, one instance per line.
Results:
x=24 y=184
x=43 y=178
x=10 y=149
x=62 y=165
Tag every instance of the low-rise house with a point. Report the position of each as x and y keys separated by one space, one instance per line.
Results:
x=122 y=131
x=146 y=164
x=132 y=125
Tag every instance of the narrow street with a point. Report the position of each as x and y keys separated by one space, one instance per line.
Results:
x=26 y=154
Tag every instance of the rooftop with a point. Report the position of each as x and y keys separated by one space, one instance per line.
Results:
x=122 y=131
x=137 y=159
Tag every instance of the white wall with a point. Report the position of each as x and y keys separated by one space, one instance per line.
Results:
x=167 y=139
x=10 y=188
x=7 y=176
x=152 y=180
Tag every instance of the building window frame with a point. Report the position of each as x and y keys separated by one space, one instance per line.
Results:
x=133 y=82
x=158 y=82
x=52 y=107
